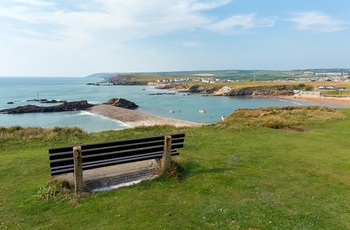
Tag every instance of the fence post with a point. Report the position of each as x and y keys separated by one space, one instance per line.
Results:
x=78 y=170
x=166 y=159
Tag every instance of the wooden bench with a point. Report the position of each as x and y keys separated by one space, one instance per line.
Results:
x=91 y=156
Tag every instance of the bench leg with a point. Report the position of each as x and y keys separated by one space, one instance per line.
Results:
x=166 y=159
x=78 y=170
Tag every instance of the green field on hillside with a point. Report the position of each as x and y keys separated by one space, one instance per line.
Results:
x=281 y=169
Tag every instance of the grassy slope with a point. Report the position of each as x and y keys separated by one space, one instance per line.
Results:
x=259 y=178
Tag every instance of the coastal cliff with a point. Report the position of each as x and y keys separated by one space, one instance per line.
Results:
x=261 y=91
x=215 y=90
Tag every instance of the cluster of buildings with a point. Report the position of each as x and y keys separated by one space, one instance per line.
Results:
x=175 y=80
x=343 y=78
x=332 y=88
x=306 y=76
x=199 y=79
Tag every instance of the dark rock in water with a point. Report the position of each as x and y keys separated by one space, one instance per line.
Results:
x=52 y=101
x=121 y=102
x=66 y=106
x=162 y=94
x=46 y=101
x=10 y=103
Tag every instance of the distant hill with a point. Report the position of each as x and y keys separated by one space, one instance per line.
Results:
x=102 y=75
x=231 y=74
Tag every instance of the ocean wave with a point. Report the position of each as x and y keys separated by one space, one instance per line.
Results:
x=297 y=103
x=94 y=102
x=86 y=113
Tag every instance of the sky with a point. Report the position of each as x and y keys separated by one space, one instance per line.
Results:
x=82 y=37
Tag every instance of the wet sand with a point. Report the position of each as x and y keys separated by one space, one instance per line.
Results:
x=344 y=101
x=134 y=118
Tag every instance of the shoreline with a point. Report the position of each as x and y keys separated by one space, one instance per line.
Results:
x=343 y=101
x=134 y=118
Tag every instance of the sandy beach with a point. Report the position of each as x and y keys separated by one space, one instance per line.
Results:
x=344 y=101
x=135 y=118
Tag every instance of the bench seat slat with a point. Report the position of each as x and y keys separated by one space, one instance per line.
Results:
x=103 y=163
x=69 y=154
x=114 y=143
x=175 y=144
x=90 y=158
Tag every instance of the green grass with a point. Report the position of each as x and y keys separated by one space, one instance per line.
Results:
x=336 y=93
x=247 y=177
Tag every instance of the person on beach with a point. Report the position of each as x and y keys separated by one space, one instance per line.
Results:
x=223 y=117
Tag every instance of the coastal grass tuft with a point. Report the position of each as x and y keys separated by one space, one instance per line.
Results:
x=37 y=132
x=55 y=189
x=290 y=117
x=250 y=177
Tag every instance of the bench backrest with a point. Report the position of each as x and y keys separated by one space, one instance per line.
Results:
x=112 y=153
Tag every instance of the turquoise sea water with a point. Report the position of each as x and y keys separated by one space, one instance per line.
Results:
x=19 y=90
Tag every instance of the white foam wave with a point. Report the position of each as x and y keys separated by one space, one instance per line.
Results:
x=94 y=102
x=297 y=103
x=86 y=113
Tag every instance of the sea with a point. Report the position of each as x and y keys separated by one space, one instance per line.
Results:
x=184 y=106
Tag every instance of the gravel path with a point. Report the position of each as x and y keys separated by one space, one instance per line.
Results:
x=135 y=118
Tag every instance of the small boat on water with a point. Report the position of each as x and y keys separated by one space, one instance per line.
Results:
x=201 y=110
x=171 y=111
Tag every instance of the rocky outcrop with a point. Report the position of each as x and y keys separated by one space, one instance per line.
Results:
x=46 y=101
x=260 y=91
x=122 y=103
x=66 y=106
x=125 y=79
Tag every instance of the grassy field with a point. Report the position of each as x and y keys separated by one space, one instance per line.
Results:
x=253 y=176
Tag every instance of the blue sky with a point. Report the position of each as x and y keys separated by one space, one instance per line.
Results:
x=81 y=37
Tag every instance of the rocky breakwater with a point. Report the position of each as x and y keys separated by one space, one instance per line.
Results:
x=66 y=106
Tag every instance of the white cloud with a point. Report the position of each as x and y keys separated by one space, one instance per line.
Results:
x=114 y=20
x=318 y=21
x=35 y=2
x=40 y=33
x=198 y=5
x=238 y=23
x=192 y=44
